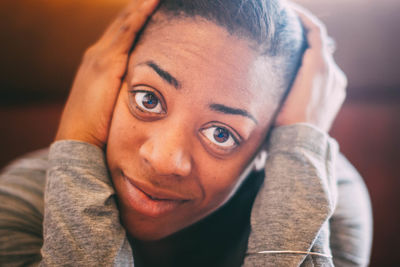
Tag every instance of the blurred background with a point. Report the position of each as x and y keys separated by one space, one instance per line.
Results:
x=42 y=43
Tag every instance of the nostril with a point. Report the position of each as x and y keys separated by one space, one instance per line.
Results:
x=184 y=166
x=145 y=152
x=166 y=158
x=145 y=161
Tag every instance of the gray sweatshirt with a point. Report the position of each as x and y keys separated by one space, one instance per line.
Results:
x=58 y=207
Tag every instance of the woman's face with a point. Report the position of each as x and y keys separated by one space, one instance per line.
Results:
x=190 y=117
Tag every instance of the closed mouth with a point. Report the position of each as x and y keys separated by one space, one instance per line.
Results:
x=150 y=201
x=156 y=194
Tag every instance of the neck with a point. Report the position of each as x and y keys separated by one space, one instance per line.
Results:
x=220 y=239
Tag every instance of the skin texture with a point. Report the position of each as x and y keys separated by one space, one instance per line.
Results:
x=172 y=156
x=320 y=86
x=186 y=160
x=87 y=113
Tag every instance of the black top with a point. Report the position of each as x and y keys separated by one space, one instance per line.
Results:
x=218 y=240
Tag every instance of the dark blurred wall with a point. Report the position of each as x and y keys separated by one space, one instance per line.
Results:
x=42 y=42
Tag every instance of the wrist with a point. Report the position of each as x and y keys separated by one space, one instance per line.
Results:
x=304 y=136
x=80 y=137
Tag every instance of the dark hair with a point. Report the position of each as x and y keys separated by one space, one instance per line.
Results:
x=273 y=26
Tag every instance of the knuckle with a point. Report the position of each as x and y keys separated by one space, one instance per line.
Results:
x=125 y=14
x=345 y=81
x=89 y=53
x=316 y=28
x=342 y=96
x=315 y=60
x=327 y=63
x=94 y=61
x=319 y=28
x=323 y=64
x=101 y=60
x=97 y=64
x=320 y=34
x=314 y=40
x=322 y=30
x=124 y=28
x=342 y=78
x=340 y=91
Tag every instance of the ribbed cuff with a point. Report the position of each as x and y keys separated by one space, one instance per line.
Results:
x=302 y=136
x=73 y=153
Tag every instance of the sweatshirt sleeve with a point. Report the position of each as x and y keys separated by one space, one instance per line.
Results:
x=81 y=225
x=290 y=216
x=21 y=210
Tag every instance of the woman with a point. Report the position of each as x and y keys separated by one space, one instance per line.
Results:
x=177 y=128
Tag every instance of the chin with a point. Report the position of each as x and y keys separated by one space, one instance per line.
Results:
x=147 y=229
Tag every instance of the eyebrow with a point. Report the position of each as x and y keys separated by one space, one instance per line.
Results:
x=165 y=75
x=234 y=111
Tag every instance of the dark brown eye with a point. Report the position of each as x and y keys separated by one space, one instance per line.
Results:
x=221 y=135
x=150 y=101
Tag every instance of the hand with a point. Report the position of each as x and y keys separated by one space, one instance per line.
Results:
x=320 y=86
x=88 y=111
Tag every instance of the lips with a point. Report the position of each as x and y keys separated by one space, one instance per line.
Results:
x=150 y=201
x=156 y=193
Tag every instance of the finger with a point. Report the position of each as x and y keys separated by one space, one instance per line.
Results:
x=122 y=32
x=133 y=6
x=310 y=21
x=316 y=31
x=331 y=45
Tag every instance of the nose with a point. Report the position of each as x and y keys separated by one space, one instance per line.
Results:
x=167 y=153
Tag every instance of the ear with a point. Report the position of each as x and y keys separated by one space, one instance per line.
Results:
x=260 y=160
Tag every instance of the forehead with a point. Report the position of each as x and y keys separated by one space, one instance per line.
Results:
x=206 y=58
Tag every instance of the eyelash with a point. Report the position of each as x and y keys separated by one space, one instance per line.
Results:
x=232 y=135
x=137 y=99
x=139 y=109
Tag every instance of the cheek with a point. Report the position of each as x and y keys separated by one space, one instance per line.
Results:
x=123 y=136
x=219 y=181
x=221 y=178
